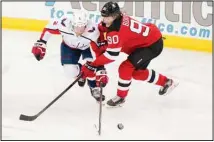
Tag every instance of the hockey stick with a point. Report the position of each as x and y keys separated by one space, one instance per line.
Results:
x=100 y=110
x=31 y=118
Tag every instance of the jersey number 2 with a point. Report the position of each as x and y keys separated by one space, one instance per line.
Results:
x=139 y=28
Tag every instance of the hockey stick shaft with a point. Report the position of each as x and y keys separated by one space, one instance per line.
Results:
x=100 y=108
x=31 y=118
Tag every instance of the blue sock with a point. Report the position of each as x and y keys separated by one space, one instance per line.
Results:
x=91 y=83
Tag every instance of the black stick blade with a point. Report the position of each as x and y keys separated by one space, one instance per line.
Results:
x=27 y=118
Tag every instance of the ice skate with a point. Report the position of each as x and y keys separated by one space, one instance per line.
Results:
x=116 y=102
x=95 y=92
x=168 y=87
x=81 y=82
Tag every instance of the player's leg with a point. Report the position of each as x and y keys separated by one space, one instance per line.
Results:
x=151 y=76
x=125 y=70
x=136 y=66
x=141 y=59
x=69 y=61
x=95 y=91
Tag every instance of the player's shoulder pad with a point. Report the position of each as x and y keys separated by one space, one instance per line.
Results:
x=92 y=30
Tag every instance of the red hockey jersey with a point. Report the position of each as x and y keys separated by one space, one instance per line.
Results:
x=131 y=35
x=100 y=46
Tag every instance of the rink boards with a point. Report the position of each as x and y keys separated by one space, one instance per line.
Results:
x=170 y=40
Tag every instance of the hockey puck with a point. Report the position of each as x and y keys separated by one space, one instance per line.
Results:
x=120 y=126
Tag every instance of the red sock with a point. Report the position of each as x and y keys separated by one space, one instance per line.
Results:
x=126 y=70
x=150 y=76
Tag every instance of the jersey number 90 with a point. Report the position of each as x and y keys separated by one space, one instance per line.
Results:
x=139 y=28
x=113 y=40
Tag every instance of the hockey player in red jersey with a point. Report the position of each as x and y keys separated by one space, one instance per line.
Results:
x=141 y=42
x=77 y=34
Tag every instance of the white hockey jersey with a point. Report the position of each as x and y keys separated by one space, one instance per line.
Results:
x=63 y=27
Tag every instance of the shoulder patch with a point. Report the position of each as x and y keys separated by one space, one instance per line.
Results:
x=63 y=22
x=55 y=22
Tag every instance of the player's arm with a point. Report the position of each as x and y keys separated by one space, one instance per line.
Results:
x=99 y=46
x=98 y=41
x=51 y=28
x=39 y=47
x=112 y=51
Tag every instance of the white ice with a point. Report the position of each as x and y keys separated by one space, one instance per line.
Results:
x=29 y=85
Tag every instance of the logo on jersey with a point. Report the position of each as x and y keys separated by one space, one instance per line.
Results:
x=63 y=22
x=101 y=43
x=55 y=23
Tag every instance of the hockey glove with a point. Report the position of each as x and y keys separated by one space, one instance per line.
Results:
x=88 y=70
x=101 y=78
x=39 y=50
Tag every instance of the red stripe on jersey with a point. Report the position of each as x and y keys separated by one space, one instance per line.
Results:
x=52 y=31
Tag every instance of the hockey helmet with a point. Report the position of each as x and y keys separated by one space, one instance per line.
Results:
x=80 y=18
x=110 y=9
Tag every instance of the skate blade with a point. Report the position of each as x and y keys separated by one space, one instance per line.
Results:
x=118 y=106
x=174 y=85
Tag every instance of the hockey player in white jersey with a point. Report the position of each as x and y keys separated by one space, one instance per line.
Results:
x=77 y=34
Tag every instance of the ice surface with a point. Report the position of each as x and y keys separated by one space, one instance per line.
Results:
x=29 y=85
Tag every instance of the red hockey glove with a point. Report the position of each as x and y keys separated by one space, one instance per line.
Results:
x=39 y=50
x=88 y=70
x=101 y=78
